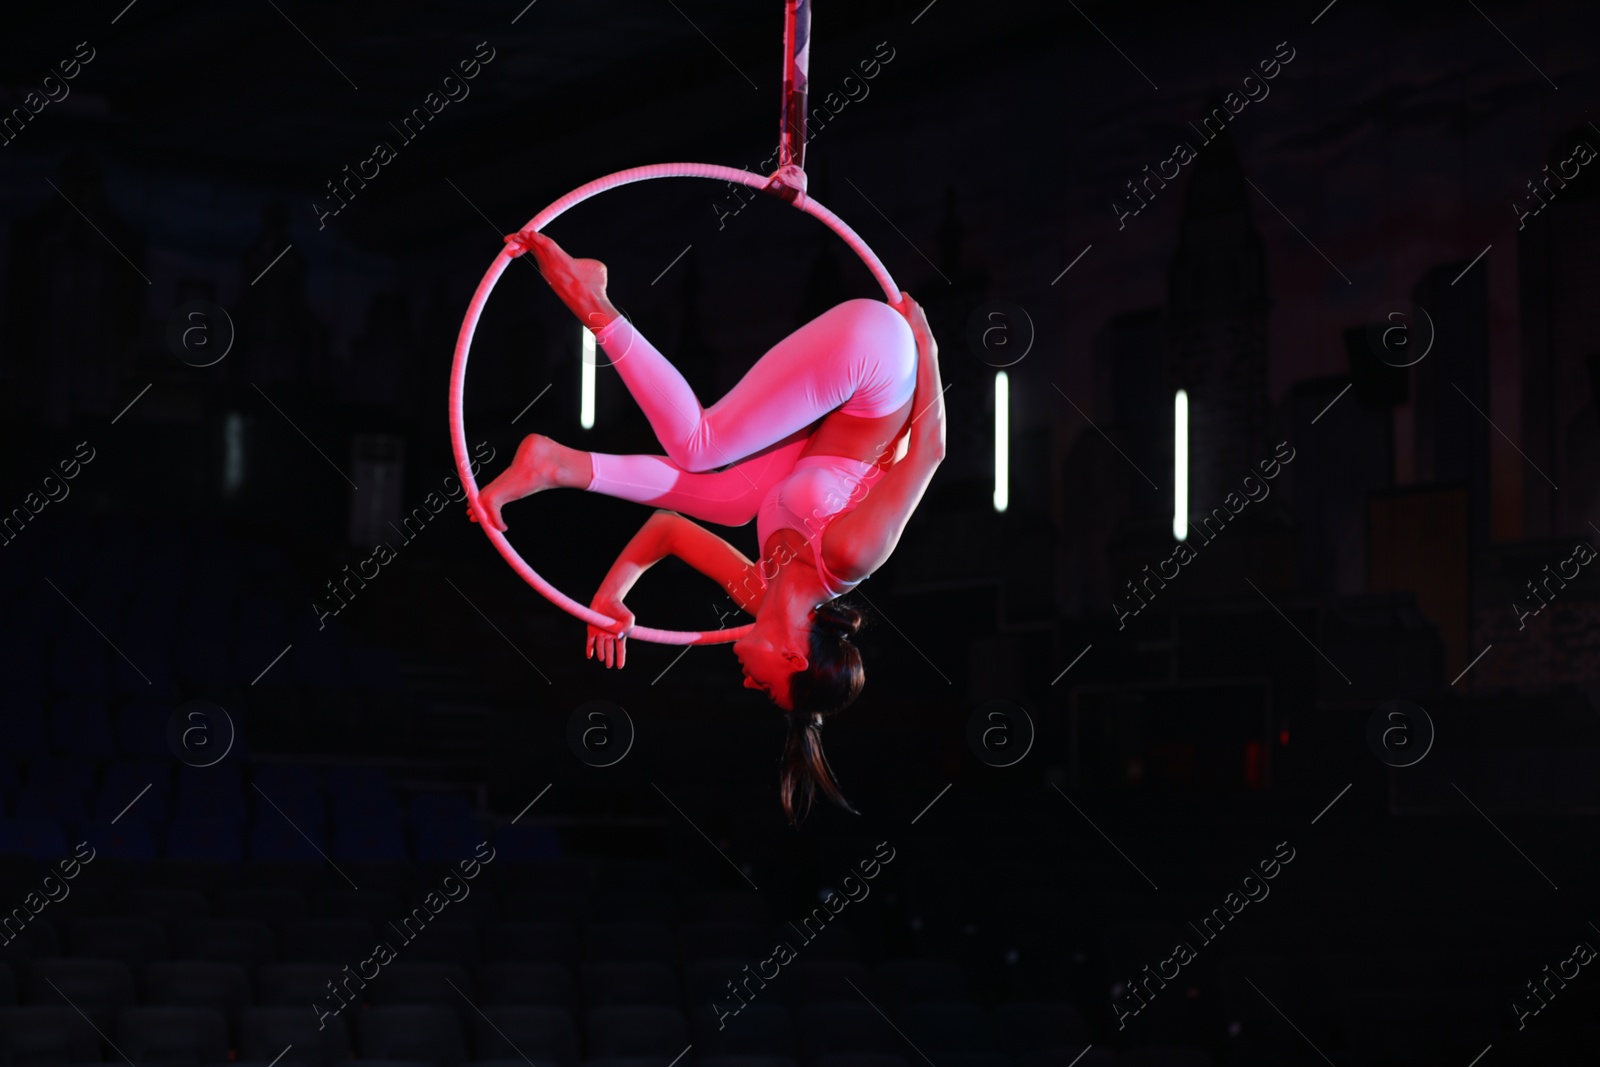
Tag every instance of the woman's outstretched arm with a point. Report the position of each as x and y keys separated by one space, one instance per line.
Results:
x=664 y=534
x=860 y=541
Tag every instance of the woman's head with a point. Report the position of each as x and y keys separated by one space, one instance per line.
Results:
x=830 y=682
x=803 y=660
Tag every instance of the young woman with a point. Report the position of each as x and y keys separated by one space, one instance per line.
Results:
x=829 y=442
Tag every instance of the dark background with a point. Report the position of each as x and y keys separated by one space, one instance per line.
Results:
x=175 y=204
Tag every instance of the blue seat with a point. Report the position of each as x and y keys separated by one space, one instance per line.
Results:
x=448 y=842
x=301 y=807
x=26 y=736
x=127 y=840
x=71 y=771
x=277 y=841
x=80 y=665
x=356 y=780
x=526 y=844
x=369 y=842
x=199 y=839
x=40 y=838
x=284 y=778
x=52 y=800
x=125 y=783
x=214 y=793
x=438 y=807
x=142 y=728
x=546 y=984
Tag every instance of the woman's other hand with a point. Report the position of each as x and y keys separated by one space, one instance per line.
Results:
x=610 y=646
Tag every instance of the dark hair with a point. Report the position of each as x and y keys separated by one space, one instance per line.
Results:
x=831 y=681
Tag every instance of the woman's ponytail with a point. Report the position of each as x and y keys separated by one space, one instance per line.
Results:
x=830 y=683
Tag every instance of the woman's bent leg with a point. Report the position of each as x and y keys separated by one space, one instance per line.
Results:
x=726 y=497
x=811 y=372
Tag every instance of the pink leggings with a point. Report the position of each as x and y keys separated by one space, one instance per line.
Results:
x=858 y=357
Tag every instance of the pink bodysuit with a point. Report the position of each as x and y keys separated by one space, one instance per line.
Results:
x=858 y=357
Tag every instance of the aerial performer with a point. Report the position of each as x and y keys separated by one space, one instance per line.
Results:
x=829 y=442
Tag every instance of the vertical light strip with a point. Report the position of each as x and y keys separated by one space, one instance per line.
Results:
x=586 y=398
x=1002 y=440
x=1180 y=465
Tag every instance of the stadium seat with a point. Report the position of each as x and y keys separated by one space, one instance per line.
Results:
x=919 y=981
x=531 y=905
x=81 y=726
x=544 y=1034
x=1163 y=1056
x=285 y=984
x=430 y=1033
x=123 y=796
x=518 y=941
x=128 y=840
x=221 y=987
x=337 y=941
x=635 y=1031
x=172 y=1035
x=810 y=981
x=629 y=942
x=756 y=1030
x=266 y=1032
x=1037 y=1027
x=98 y=988
x=245 y=942
x=726 y=940
x=409 y=982
x=371 y=905
x=40 y=839
x=827 y=1028
x=950 y=1027
x=612 y=984
x=265 y=903
x=210 y=841
x=547 y=984
x=47 y=1034
x=135 y=941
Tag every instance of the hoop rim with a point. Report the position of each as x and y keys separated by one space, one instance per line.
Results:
x=469 y=324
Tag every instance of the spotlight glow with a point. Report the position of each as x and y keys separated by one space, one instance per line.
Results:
x=586 y=398
x=1180 y=465
x=1002 y=440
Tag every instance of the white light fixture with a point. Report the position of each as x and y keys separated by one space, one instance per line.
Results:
x=586 y=398
x=1002 y=440
x=1180 y=465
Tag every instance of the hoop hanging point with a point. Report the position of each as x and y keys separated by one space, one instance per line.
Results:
x=788 y=183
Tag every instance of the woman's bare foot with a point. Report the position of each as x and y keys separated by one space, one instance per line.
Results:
x=540 y=463
x=580 y=283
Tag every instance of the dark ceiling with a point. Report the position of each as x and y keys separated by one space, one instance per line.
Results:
x=282 y=94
